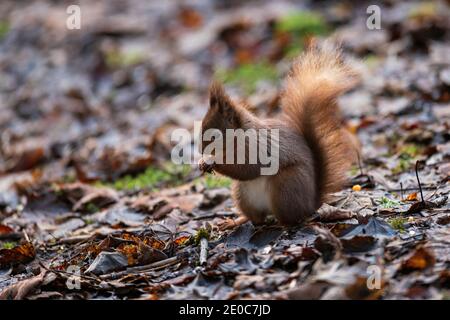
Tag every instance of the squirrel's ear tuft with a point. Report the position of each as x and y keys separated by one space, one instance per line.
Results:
x=218 y=98
x=215 y=93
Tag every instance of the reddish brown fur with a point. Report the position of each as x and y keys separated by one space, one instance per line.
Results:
x=313 y=149
x=316 y=79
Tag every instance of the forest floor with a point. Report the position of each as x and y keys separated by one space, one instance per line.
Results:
x=92 y=207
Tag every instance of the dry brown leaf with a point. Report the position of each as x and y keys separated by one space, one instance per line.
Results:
x=19 y=254
x=329 y=213
x=190 y=18
x=99 y=198
x=21 y=289
x=360 y=291
x=412 y=197
x=5 y=229
x=421 y=259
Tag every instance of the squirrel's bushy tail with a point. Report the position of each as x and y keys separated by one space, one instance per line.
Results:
x=316 y=79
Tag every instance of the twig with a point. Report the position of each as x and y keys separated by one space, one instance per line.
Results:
x=74 y=239
x=401 y=190
x=156 y=264
x=25 y=234
x=410 y=189
x=139 y=269
x=68 y=273
x=359 y=164
x=213 y=215
x=418 y=181
x=203 y=251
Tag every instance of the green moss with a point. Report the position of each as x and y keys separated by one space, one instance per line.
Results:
x=181 y=171
x=398 y=223
x=406 y=157
x=303 y=23
x=69 y=178
x=423 y=10
x=214 y=181
x=410 y=151
x=9 y=245
x=247 y=76
x=388 y=203
x=170 y=174
x=403 y=165
x=118 y=59
x=371 y=60
x=201 y=233
x=89 y=221
x=300 y=25
x=354 y=170
x=92 y=208
x=445 y=295
x=4 y=29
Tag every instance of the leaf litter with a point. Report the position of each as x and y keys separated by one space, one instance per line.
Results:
x=85 y=173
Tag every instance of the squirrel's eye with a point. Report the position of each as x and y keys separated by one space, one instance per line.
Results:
x=213 y=138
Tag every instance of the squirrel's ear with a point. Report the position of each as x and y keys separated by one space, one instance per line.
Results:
x=218 y=98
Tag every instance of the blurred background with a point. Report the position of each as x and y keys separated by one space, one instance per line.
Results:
x=99 y=103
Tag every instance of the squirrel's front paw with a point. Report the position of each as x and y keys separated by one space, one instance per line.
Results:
x=231 y=223
x=206 y=164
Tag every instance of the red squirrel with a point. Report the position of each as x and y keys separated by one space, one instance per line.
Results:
x=314 y=151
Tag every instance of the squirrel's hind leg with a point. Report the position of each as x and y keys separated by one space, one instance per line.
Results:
x=293 y=195
x=251 y=198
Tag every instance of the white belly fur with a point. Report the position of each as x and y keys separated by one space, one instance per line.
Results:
x=256 y=193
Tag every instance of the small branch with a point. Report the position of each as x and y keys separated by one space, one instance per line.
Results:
x=25 y=234
x=418 y=181
x=410 y=189
x=74 y=239
x=141 y=269
x=401 y=190
x=203 y=251
x=157 y=264
x=68 y=274
x=359 y=164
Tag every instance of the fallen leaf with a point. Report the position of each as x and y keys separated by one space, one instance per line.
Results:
x=186 y=203
x=412 y=197
x=19 y=254
x=7 y=232
x=327 y=243
x=214 y=197
x=4 y=230
x=374 y=227
x=107 y=262
x=359 y=290
x=98 y=199
x=245 y=236
x=443 y=220
x=21 y=289
x=146 y=204
x=202 y=287
x=140 y=253
x=181 y=240
x=190 y=18
x=359 y=243
x=418 y=206
x=121 y=215
x=421 y=259
x=327 y=213
x=308 y=291
x=241 y=263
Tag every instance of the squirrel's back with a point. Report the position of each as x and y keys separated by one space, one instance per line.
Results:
x=316 y=80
